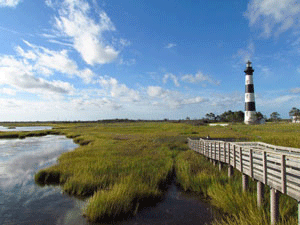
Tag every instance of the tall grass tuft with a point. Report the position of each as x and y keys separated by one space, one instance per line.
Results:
x=121 y=201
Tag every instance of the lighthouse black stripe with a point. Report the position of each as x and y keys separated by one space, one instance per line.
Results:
x=249 y=88
x=250 y=106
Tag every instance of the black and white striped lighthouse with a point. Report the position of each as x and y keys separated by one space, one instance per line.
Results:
x=250 y=112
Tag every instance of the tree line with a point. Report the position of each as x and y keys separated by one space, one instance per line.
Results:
x=238 y=116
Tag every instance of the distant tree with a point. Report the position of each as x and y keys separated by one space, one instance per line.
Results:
x=188 y=118
x=238 y=116
x=294 y=112
x=218 y=118
x=210 y=116
x=230 y=116
x=259 y=116
x=275 y=116
x=227 y=116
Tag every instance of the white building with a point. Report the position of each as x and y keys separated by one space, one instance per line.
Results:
x=295 y=119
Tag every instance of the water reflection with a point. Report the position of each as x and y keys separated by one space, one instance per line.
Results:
x=21 y=200
x=176 y=208
x=33 y=128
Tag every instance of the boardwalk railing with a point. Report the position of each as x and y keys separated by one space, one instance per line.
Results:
x=275 y=166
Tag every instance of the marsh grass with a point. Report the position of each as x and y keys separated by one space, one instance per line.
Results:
x=195 y=173
x=121 y=165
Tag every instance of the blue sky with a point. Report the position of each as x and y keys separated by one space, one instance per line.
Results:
x=140 y=59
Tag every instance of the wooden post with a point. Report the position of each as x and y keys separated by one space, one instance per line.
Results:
x=283 y=175
x=265 y=167
x=241 y=160
x=219 y=153
x=215 y=156
x=207 y=149
x=209 y=152
x=245 y=180
x=260 y=193
x=298 y=212
x=251 y=163
x=274 y=207
x=224 y=152
x=230 y=171
x=234 y=160
x=220 y=165
x=228 y=147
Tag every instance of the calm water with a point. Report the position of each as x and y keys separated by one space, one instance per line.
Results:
x=23 y=202
x=33 y=128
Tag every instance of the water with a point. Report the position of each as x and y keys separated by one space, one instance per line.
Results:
x=177 y=208
x=33 y=128
x=23 y=202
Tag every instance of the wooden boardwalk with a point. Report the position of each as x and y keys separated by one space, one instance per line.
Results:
x=275 y=166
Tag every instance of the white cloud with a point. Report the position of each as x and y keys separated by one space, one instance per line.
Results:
x=198 y=78
x=283 y=99
x=124 y=42
x=9 y=3
x=85 y=33
x=193 y=100
x=172 y=77
x=273 y=16
x=46 y=62
x=20 y=74
x=266 y=71
x=128 y=62
x=119 y=91
x=8 y=91
x=226 y=101
x=171 y=45
x=57 y=109
x=88 y=104
x=156 y=92
x=245 y=54
x=170 y=99
x=295 y=90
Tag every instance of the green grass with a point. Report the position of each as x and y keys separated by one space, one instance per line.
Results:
x=117 y=165
x=121 y=165
x=195 y=173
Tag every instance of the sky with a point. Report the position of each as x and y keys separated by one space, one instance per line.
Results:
x=140 y=59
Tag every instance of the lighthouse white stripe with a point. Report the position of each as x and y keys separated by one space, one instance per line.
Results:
x=249 y=79
x=249 y=97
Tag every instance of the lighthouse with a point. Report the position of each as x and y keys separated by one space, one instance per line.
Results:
x=250 y=112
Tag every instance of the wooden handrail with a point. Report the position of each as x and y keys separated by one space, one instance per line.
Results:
x=277 y=169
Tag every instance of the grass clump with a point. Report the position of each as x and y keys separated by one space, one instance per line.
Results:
x=195 y=173
x=122 y=200
x=120 y=167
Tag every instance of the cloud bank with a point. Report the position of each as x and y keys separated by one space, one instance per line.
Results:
x=86 y=34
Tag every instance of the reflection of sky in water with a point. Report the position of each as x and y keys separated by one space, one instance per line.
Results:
x=33 y=128
x=23 y=202
x=21 y=199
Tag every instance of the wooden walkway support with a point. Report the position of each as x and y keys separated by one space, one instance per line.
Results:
x=275 y=166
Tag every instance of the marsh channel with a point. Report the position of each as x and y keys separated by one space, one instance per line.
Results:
x=24 y=202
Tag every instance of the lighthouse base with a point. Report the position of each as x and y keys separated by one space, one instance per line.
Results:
x=250 y=117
